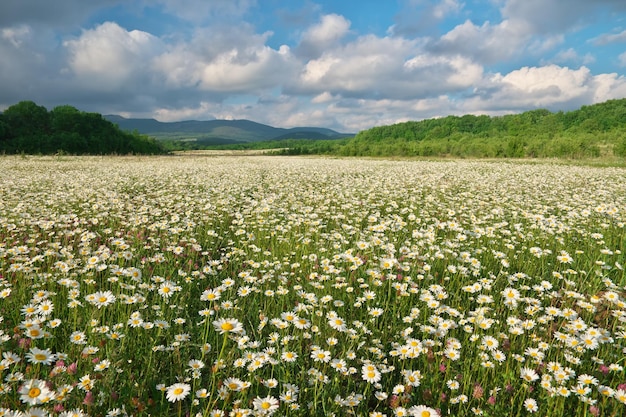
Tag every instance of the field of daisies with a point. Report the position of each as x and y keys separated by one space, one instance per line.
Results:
x=258 y=286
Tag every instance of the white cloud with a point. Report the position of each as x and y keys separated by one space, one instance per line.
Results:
x=108 y=57
x=323 y=35
x=570 y=56
x=16 y=35
x=235 y=61
x=607 y=38
x=446 y=7
x=389 y=67
x=608 y=87
x=550 y=86
x=487 y=43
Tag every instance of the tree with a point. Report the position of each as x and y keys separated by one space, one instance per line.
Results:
x=27 y=119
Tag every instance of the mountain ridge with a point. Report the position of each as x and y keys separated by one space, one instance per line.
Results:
x=220 y=130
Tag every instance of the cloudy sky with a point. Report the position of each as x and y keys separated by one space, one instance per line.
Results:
x=342 y=64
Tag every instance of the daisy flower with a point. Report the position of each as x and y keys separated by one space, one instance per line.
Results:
x=530 y=405
x=422 y=411
x=36 y=355
x=265 y=406
x=35 y=391
x=234 y=384
x=370 y=373
x=528 y=375
x=177 y=392
x=101 y=298
x=78 y=338
x=228 y=326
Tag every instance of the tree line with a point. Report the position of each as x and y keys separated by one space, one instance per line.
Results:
x=591 y=131
x=29 y=128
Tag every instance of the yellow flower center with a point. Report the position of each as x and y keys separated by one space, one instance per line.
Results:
x=40 y=357
x=426 y=413
x=227 y=326
x=34 y=392
x=102 y=299
x=178 y=391
x=266 y=405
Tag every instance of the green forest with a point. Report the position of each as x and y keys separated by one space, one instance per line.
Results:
x=28 y=128
x=593 y=131
x=590 y=131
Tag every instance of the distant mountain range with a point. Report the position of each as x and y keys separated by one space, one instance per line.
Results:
x=221 y=131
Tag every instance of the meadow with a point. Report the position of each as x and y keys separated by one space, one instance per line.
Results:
x=260 y=285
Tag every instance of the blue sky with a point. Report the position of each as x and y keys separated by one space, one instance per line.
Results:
x=345 y=65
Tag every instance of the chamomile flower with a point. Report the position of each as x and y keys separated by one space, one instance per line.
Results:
x=35 y=391
x=36 y=355
x=265 y=406
x=422 y=411
x=370 y=373
x=177 y=392
x=530 y=405
x=229 y=325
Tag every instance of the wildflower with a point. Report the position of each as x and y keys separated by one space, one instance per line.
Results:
x=196 y=364
x=423 y=411
x=44 y=356
x=234 y=384
x=265 y=406
x=167 y=289
x=320 y=355
x=86 y=383
x=289 y=356
x=102 y=365
x=370 y=373
x=412 y=378
x=528 y=375
x=101 y=298
x=564 y=258
x=620 y=395
x=78 y=338
x=453 y=385
x=228 y=326
x=530 y=405
x=177 y=392
x=210 y=295
x=35 y=391
x=34 y=332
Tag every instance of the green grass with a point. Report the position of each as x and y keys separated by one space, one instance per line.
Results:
x=320 y=286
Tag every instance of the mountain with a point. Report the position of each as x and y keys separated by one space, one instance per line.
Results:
x=220 y=131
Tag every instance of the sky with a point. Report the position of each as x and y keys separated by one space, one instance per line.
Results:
x=345 y=65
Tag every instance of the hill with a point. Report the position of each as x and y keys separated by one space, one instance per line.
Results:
x=219 y=131
x=591 y=131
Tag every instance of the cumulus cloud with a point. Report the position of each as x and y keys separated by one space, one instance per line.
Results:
x=609 y=38
x=388 y=67
x=551 y=87
x=323 y=35
x=232 y=60
x=570 y=56
x=110 y=57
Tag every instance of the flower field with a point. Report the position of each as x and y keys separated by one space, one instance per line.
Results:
x=235 y=286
